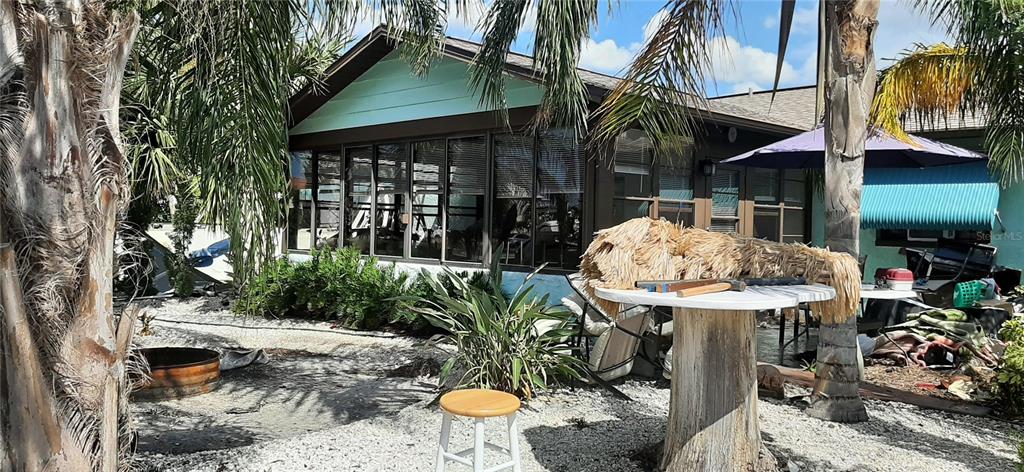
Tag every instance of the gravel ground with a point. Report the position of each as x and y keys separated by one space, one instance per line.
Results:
x=327 y=402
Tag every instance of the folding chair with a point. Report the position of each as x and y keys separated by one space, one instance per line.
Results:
x=608 y=344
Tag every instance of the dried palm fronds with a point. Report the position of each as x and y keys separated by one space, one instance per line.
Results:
x=639 y=249
x=648 y=249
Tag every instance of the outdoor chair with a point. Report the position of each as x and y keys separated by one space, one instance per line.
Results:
x=609 y=344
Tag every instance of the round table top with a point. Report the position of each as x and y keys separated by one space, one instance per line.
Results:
x=871 y=292
x=752 y=299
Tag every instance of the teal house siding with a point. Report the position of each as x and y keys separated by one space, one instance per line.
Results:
x=389 y=92
x=1010 y=243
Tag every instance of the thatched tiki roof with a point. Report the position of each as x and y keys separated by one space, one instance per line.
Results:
x=649 y=249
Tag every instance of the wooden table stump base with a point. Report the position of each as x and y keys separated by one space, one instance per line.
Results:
x=712 y=423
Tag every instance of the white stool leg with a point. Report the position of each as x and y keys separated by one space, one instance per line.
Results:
x=513 y=442
x=446 y=429
x=478 y=445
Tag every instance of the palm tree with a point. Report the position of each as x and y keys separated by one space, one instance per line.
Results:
x=980 y=75
x=224 y=68
x=669 y=72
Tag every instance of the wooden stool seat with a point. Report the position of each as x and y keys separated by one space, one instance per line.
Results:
x=479 y=403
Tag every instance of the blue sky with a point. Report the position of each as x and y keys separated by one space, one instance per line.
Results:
x=745 y=57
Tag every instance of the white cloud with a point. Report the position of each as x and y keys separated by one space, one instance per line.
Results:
x=805 y=21
x=609 y=57
x=899 y=27
x=605 y=56
x=732 y=62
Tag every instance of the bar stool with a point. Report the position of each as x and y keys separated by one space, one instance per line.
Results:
x=479 y=404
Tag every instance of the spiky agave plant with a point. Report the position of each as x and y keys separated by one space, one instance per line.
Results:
x=516 y=344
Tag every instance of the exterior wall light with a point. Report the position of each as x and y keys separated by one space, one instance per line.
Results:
x=707 y=167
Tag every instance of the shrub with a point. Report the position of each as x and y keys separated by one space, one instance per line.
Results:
x=183 y=223
x=497 y=337
x=334 y=285
x=1010 y=377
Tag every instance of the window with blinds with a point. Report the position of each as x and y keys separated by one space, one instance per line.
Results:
x=467 y=182
x=779 y=204
x=634 y=176
x=675 y=190
x=725 y=200
x=358 y=197
x=559 y=203
x=646 y=185
x=390 y=219
x=327 y=201
x=427 y=193
x=512 y=225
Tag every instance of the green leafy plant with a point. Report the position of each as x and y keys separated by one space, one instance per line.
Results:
x=1009 y=385
x=333 y=285
x=515 y=343
x=422 y=289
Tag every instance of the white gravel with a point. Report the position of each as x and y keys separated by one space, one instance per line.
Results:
x=335 y=409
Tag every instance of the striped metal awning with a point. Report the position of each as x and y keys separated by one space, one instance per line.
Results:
x=958 y=197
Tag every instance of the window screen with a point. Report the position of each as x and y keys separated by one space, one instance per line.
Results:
x=358 y=197
x=560 y=172
x=328 y=199
x=427 y=192
x=467 y=181
x=513 y=198
x=300 y=211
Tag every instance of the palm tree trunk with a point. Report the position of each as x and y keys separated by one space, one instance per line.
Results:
x=63 y=387
x=851 y=85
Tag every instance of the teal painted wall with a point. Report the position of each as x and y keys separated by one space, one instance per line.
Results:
x=389 y=92
x=1010 y=243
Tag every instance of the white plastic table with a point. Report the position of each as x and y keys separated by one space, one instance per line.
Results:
x=712 y=423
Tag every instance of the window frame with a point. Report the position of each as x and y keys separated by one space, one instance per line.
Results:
x=780 y=207
x=587 y=199
x=655 y=200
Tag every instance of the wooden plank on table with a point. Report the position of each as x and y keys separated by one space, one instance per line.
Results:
x=768 y=381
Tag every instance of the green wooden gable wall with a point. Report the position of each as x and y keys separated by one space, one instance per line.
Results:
x=389 y=92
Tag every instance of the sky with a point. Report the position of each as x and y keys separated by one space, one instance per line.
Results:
x=744 y=58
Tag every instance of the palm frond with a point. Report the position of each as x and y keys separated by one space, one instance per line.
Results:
x=500 y=27
x=562 y=28
x=931 y=82
x=665 y=79
x=992 y=35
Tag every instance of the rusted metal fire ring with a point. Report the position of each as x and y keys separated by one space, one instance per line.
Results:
x=179 y=372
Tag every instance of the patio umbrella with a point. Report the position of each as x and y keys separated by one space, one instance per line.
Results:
x=807 y=150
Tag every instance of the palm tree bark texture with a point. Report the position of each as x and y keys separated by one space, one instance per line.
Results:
x=850 y=29
x=63 y=382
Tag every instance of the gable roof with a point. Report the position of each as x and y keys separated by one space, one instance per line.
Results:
x=377 y=44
